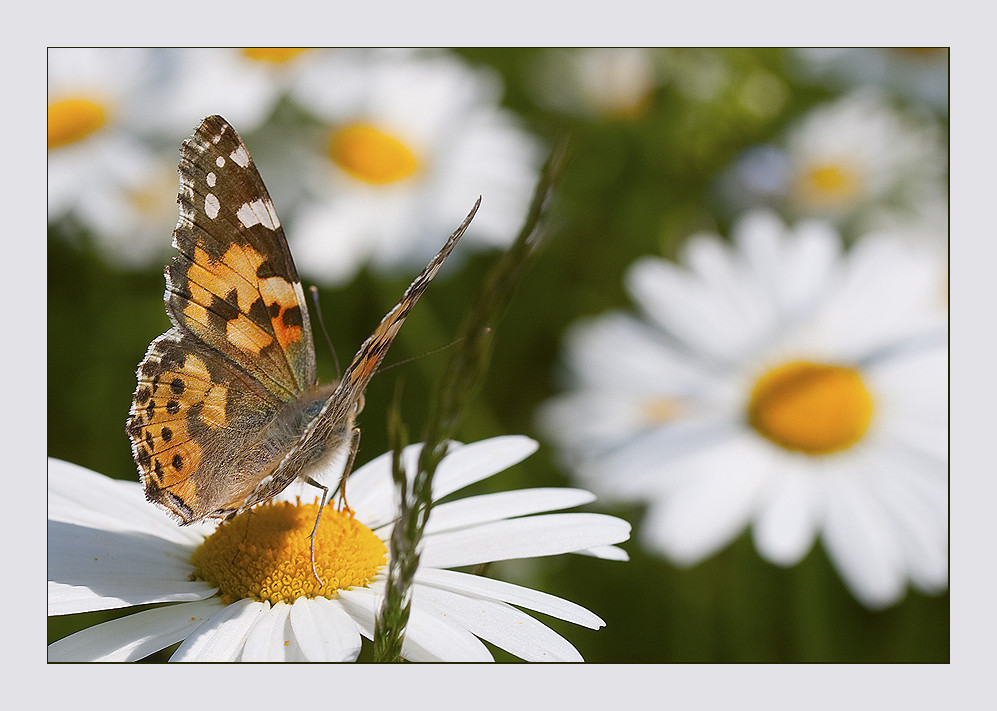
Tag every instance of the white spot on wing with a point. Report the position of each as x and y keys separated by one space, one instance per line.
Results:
x=211 y=205
x=219 y=161
x=211 y=180
x=241 y=156
x=258 y=212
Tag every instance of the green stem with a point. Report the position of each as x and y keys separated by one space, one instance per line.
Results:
x=465 y=371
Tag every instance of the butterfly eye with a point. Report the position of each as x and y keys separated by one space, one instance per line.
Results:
x=358 y=405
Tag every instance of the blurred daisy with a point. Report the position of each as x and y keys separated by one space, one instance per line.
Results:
x=918 y=74
x=406 y=144
x=242 y=84
x=777 y=383
x=102 y=172
x=616 y=82
x=844 y=159
x=245 y=591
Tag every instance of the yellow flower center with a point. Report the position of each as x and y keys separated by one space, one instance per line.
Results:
x=371 y=155
x=72 y=120
x=273 y=55
x=265 y=554
x=829 y=184
x=811 y=408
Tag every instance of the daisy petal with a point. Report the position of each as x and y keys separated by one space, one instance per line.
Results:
x=921 y=517
x=861 y=544
x=475 y=462
x=634 y=351
x=606 y=553
x=703 y=515
x=92 y=569
x=268 y=639
x=475 y=510
x=464 y=465
x=324 y=631
x=523 y=538
x=221 y=638
x=499 y=623
x=429 y=637
x=133 y=637
x=786 y=524
x=480 y=587
x=79 y=495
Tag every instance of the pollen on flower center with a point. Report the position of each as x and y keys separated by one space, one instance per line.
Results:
x=825 y=184
x=274 y=55
x=810 y=407
x=265 y=554
x=371 y=155
x=72 y=120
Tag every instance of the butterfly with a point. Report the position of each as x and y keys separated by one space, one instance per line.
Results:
x=228 y=411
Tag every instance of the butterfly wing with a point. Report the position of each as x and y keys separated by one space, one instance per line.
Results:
x=192 y=416
x=240 y=350
x=234 y=284
x=372 y=352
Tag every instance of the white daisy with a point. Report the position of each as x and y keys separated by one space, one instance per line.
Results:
x=776 y=383
x=101 y=170
x=242 y=84
x=244 y=592
x=919 y=74
x=407 y=142
x=843 y=159
x=616 y=82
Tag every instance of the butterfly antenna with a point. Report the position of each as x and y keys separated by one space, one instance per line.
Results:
x=423 y=355
x=321 y=322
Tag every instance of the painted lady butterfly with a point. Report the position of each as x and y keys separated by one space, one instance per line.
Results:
x=228 y=412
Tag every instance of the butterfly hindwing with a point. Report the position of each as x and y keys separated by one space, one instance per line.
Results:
x=234 y=284
x=193 y=414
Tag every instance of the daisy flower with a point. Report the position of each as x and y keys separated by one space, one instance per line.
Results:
x=242 y=84
x=843 y=159
x=102 y=172
x=406 y=142
x=245 y=590
x=918 y=74
x=616 y=82
x=776 y=383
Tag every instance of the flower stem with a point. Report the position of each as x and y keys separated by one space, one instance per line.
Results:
x=465 y=371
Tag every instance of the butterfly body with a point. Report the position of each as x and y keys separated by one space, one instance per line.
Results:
x=227 y=411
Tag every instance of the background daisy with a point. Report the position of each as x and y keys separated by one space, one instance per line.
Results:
x=776 y=383
x=243 y=84
x=920 y=74
x=109 y=549
x=847 y=160
x=403 y=138
x=105 y=177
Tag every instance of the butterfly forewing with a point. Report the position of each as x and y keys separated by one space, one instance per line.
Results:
x=234 y=284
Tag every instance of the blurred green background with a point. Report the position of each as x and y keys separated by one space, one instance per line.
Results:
x=635 y=185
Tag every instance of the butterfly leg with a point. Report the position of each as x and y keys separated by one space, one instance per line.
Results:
x=354 y=448
x=318 y=517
